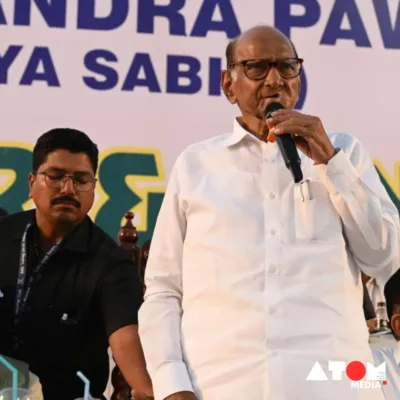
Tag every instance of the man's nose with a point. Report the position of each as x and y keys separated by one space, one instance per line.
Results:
x=273 y=78
x=68 y=186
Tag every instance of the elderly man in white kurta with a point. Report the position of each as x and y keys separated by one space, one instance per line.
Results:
x=251 y=279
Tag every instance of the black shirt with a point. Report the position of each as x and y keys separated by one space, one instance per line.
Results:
x=86 y=291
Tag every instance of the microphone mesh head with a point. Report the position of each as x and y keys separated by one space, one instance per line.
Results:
x=272 y=107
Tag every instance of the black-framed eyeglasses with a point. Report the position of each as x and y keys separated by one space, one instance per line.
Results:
x=82 y=182
x=258 y=69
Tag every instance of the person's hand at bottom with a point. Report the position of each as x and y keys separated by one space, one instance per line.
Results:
x=141 y=396
x=182 y=396
x=176 y=396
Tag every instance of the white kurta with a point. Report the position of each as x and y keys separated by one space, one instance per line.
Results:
x=248 y=286
x=391 y=356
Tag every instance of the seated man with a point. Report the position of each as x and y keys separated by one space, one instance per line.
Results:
x=391 y=355
x=68 y=289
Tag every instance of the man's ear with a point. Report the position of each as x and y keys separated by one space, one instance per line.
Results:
x=395 y=324
x=31 y=180
x=227 y=84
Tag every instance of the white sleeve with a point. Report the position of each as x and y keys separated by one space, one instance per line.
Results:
x=370 y=219
x=160 y=314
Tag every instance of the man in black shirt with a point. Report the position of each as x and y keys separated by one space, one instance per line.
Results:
x=67 y=289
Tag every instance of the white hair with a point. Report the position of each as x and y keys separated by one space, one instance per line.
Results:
x=234 y=75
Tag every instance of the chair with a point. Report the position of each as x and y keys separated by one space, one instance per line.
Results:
x=128 y=238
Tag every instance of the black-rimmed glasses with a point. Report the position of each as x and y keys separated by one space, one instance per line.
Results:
x=82 y=182
x=288 y=68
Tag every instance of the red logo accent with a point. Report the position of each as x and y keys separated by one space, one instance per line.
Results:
x=356 y=370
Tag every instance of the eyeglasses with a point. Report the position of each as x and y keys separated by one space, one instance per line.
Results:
x=82 y=182
x=256 y=70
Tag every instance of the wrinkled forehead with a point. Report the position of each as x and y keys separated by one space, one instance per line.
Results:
x=265 y=44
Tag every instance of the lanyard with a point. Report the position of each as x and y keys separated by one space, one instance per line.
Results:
x=21 y=294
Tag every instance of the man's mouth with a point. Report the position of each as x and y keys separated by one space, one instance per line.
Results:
x=66 y=203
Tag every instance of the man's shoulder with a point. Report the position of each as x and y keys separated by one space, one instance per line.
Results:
x=105 y=247
x=195 y=155
x=215 y=142
x=15 y=224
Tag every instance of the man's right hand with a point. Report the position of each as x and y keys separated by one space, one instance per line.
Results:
x=182 y=396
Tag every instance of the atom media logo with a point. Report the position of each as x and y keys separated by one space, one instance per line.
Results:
x=356 y=371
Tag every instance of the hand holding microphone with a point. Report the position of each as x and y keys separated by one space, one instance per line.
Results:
x=306 y=132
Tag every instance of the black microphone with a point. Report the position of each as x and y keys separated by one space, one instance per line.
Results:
x=287 y=146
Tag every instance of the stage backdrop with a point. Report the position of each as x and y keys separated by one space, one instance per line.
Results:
x=142 y=79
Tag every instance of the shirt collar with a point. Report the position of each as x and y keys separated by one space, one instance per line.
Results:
x=78 y=240
x=239 y=133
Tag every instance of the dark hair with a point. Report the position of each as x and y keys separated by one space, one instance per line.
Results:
x=3 y=212
x=68 y=139
x=392 y=294
x=230 y=49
